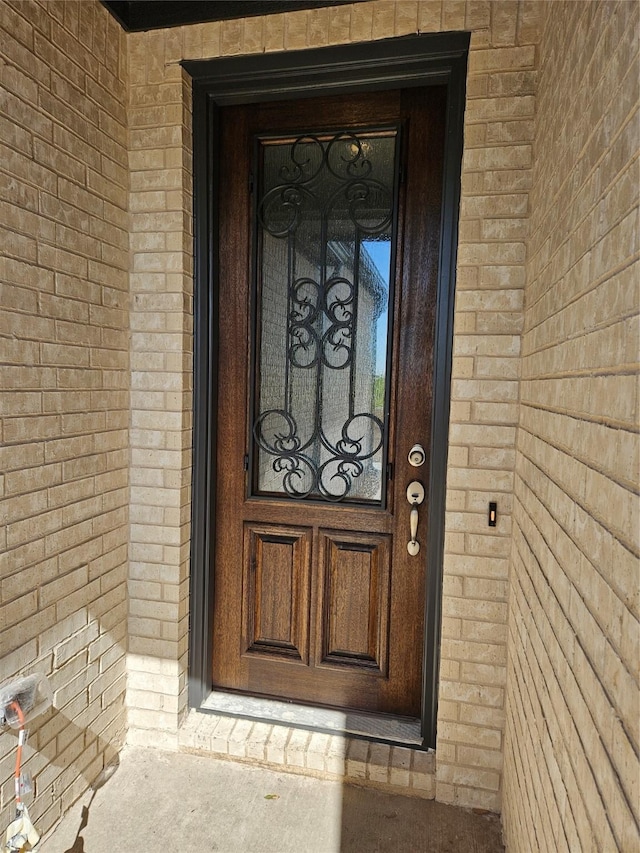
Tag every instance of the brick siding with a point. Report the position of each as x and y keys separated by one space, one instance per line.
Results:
x=64 y=367
x=571 y=773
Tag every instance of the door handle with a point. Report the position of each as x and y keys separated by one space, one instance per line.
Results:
x=415 y=496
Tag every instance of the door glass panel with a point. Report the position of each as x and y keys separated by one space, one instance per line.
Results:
x=324 y=235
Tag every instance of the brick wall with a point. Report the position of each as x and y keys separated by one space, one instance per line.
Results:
x=496 y=178
x=496 y=182
x=161 y=380
x=64 y=378
x=571 y=774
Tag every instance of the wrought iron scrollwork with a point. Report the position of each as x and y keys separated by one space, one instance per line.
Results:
x=325 y=180
x=302 y=475
x=308 y=301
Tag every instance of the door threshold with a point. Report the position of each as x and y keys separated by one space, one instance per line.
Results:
x=381 y=728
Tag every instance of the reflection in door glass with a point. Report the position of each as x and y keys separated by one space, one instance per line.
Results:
x=324 y=235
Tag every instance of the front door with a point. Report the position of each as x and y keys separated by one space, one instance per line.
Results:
x=329 y=237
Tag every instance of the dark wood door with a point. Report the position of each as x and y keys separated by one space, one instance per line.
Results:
x=329 y=236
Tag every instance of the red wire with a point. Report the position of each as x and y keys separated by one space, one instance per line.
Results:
x=20 y=715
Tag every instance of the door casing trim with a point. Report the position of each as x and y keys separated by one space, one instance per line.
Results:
x=416 y=60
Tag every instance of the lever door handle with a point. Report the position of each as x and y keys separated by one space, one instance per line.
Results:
x=415 y=496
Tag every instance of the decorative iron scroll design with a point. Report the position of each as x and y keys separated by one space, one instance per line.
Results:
x=321 y=201
x=301 y=474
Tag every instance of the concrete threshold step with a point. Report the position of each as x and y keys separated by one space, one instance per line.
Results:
x=353 y=760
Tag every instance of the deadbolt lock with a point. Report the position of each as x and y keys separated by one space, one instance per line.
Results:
x=417 y=455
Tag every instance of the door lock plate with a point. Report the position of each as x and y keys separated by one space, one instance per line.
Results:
x=415 y=492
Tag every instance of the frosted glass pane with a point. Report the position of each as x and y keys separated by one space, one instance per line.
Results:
x=324 y=236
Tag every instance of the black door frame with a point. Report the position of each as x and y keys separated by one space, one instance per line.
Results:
x=416 y=60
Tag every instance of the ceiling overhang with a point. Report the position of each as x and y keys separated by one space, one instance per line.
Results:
x=137 y=15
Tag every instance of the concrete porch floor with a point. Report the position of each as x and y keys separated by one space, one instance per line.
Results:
x=161 y=802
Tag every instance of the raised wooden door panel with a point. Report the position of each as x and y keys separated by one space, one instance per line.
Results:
x=354 y=601
x=276 y=591
x=315 y=595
